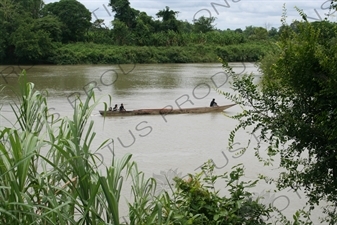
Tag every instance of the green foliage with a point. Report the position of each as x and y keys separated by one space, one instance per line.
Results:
x=74 y=16
x=33 y=35
x=121 y=33
x=197 y=201
x=256 y=33
x=204 y=24
x=273 y=32
x=143 y=31
x=33 y=7
x=8 y=9
x=293 y=109
x=50 y=24
x=167 y=14
x=144 y=35
x=27 y=38
x=144 y=209
x=243 y=53
x=124 y=12
x=31 y=43
x=20 y=149
x=3 y=45
x=100 y=35
x=169 y=20
x=107 y=54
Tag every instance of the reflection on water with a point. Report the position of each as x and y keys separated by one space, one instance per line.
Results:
x=119 y=80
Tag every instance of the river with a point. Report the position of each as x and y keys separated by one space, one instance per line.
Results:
x=161 y=145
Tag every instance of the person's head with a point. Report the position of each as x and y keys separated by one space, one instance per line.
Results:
x=122 y=104
x=116 y=105
x=213 y=99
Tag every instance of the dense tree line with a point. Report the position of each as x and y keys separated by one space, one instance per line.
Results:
x=31 y=31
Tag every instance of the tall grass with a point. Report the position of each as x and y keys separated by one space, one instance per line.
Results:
x=64 y=185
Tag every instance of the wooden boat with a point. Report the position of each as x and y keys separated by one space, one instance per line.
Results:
x=165 y=111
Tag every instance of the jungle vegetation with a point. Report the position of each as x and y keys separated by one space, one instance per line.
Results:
x=35 y=32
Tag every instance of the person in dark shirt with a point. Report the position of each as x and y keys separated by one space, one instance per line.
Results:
x=213 y=103
x=121 y=108
x=115 y=108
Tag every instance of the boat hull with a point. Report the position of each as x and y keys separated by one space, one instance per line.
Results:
x=165 y=111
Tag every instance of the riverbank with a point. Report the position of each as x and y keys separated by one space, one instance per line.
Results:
x=90 y=53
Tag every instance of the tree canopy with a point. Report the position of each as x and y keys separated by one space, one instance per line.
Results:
x=204 y=24
x=169 y=20
x=74 y=16
x=124 y=12
x=33 y=7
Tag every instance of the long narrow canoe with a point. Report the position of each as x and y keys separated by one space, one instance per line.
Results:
x=165 y=111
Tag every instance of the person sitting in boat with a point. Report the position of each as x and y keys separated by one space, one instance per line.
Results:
x=115 y=108
x=110 y=108
x=121 y=108
x=213 y=103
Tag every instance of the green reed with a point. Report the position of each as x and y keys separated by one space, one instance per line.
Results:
x=64 y=185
